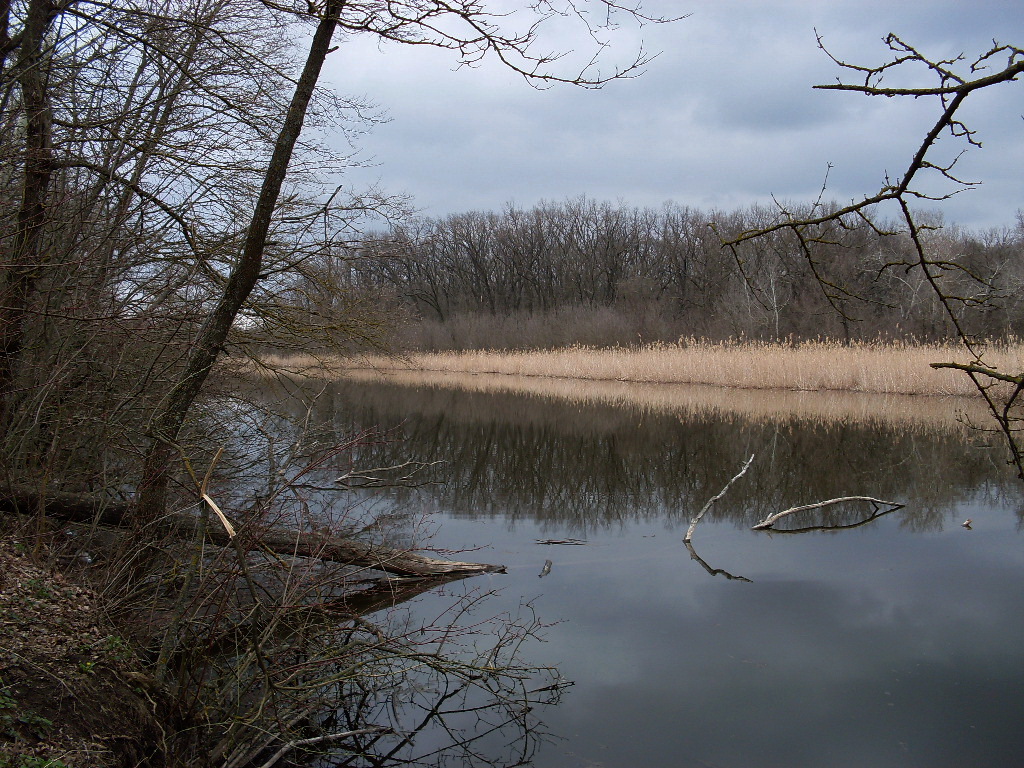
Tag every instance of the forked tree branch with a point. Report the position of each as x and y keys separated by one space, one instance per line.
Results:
x=952 y=90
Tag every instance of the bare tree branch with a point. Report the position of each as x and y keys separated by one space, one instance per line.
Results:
x=952 y=91
x=716 y=497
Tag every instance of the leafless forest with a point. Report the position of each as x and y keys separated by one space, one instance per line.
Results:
x=594 y=273
x=168 y=204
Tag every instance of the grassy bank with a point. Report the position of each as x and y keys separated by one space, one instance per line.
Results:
x=893 y=368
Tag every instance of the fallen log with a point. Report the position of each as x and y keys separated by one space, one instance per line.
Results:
x=83 y=508
x=398 y=562
x=73 y=507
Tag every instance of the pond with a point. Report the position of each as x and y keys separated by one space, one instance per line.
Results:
x=894 y=643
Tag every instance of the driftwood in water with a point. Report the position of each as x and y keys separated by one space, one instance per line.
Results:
x=82 y=508
x=693 y=523
x=566 y=542
x=769 y=522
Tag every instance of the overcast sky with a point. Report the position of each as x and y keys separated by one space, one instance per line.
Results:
x=724 y=117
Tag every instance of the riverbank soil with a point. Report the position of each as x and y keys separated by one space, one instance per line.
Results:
x=72 y=692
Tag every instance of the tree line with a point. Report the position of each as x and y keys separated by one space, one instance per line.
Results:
x=584 y=271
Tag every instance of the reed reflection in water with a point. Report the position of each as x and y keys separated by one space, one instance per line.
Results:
x=581 y=467
x=895 y=643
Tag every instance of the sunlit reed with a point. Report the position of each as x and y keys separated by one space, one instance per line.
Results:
x=822 y=382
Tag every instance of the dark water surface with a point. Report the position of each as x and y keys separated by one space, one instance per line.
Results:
x=897 y=643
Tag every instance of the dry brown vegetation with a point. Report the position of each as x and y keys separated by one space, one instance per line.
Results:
x=818 y=381
x=757 y=405
x=895 y=368
x=72 y=690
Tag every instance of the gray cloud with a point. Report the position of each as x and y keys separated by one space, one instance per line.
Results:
x=725 y=116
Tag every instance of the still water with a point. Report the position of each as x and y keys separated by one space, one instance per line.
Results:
x=895 y=643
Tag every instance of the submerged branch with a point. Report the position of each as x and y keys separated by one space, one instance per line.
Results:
x=329 y=737
x=716 y=497
x=769 y=522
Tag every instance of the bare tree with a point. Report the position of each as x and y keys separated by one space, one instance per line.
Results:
x=139 y=222
x=961 y=290
x=159 y=187
x=464 y=27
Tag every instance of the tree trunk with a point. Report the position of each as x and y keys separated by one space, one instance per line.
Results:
x=168 y=422
x=22 y=267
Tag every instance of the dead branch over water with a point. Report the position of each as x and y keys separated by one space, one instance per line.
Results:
x=289 y=543
x=716 y=497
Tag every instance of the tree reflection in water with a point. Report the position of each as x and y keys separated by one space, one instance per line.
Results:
x=584 y=468
x=445 y=700
x=563 y=472
x=286 y=658
x=369 y=685
x=708 y=568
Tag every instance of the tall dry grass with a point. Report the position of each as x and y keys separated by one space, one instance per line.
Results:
x=895 y=368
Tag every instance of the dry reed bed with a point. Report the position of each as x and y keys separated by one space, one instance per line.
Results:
x=821 y=382
x=892 y=369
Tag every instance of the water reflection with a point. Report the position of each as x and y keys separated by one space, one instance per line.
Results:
x=712 y=571
x=894 y=643
x=581 y=468
x=431 y=709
